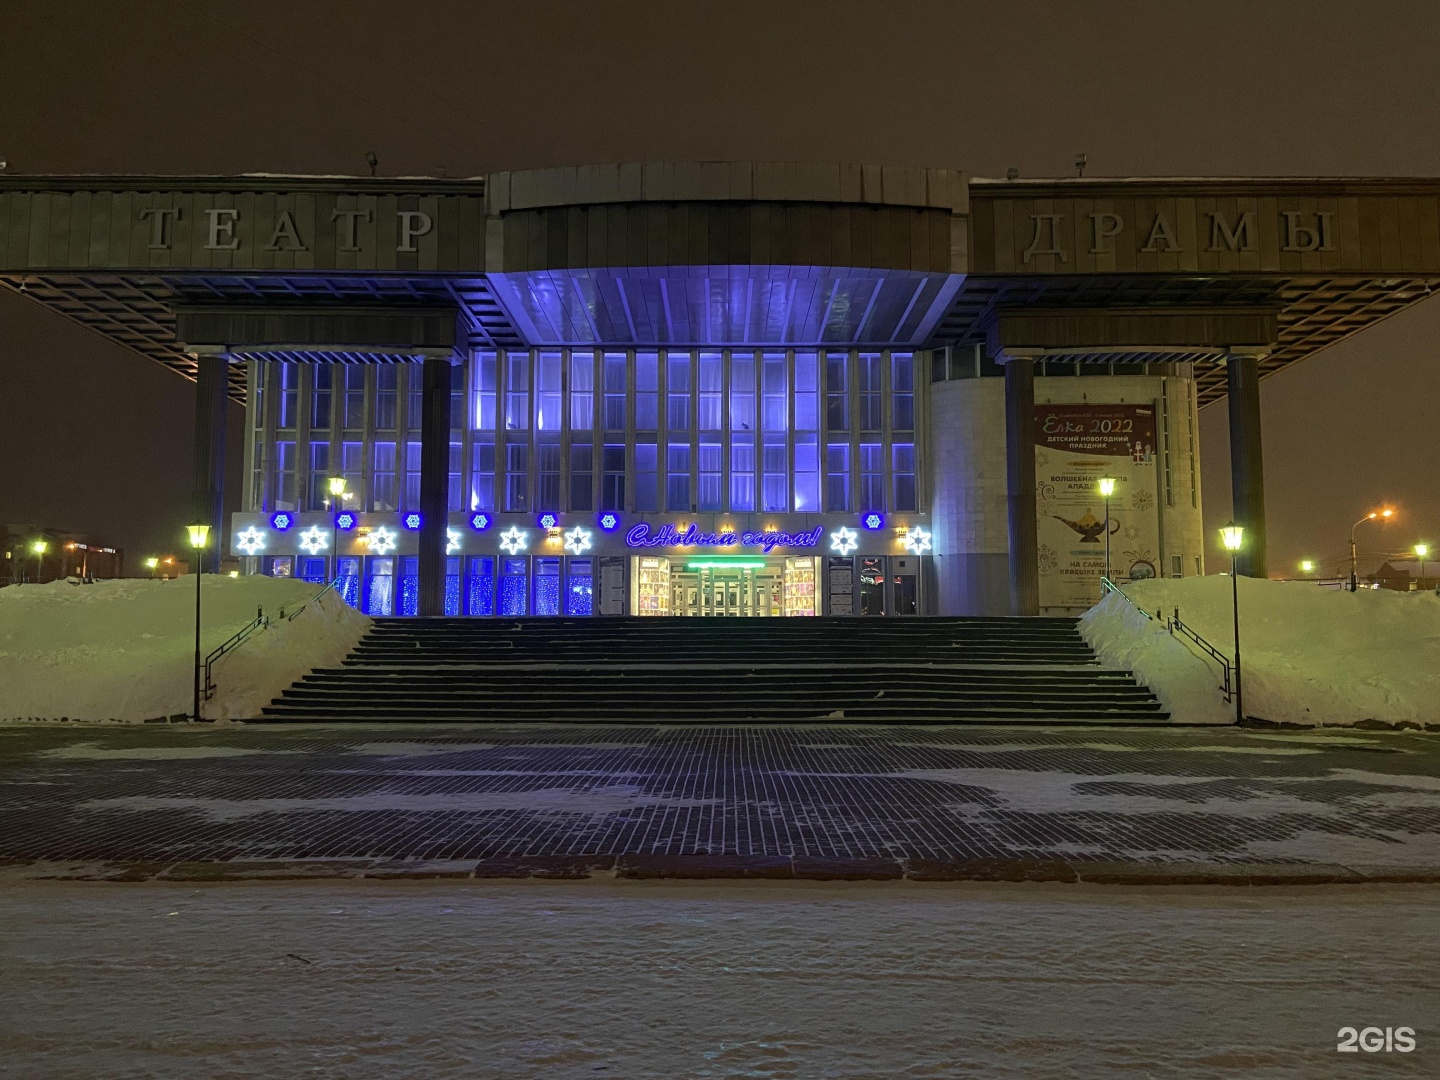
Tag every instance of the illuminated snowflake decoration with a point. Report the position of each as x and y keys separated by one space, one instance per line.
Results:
x=314 y=540
x=608 y=522
x=381 y=541
x=842 y=541
x=549 y=521
x=873 y=521
x=452 y=541
x=251 y=541
x=345 y=521
x=514 y=540
x=282 y=521
x=479 y=522
x=411 y=521
x=577 y=541
x=917 y=540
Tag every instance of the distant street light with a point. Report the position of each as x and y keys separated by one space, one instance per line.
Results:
x=152 y=564
x=1307 y=566
x=39 y=547
x=1373 y=515
x=1233 y=536
x=1107 y=488
x=198 y=534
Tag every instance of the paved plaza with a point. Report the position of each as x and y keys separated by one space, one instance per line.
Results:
x=927 y=803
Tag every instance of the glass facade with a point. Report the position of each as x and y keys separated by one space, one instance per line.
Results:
x=720 y=431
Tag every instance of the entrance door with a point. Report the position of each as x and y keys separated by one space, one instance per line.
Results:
x=872 y=586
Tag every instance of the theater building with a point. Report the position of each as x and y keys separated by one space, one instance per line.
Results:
x=722 y=389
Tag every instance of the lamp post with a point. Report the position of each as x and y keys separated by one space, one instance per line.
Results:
x=1232 y=536
x=337 y=496
x=198 y=533
x=1107 y=488
x=1422 y=551
x=1371 y=516
x=39 y=547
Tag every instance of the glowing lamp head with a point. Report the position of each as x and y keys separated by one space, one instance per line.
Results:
x=151 y=563
x=1422 y=551
x=39 y=547
x=1107 y=486
x=336 y=485
x=1232 y=536
x=1307 y=566
x=1386 y=513
x=198 y=534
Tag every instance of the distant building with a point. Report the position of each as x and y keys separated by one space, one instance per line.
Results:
x=1405 y=576
x=65 y=554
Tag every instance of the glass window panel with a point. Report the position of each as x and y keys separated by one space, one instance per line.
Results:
x=776 y=393
x=582 y=391
x=612 y=483
x=480 y=586
x=711 y=392
x=387 y=389
x=517 y=476
x=807 y=474
x=647 y=387
x=902 y=391
x=512 y=586
x=286 y=480
x=742 y=473
x=383 y=496
x=352 y=468
x=485 y=364
x=647 y=486
x=870 y=392
x=547 y=585
x=807 y=391
x=289 y=396
x=579 y=598
x=903 y=472
x=615 y=380
x=455 y=484
x=547 y=391
x=837 y=476
x=457 y=405
x=412 y=476
x=742 y=392
x=517 y=391
x=677 y=391
x=354 y=396
x=712 y=464
x=321 y=396
x=582 y=476
x=775 y=494
x=482 y=473
x=318 y=493
x=677 y=484
x=837 y=392
x=415 y=398
x=547 y=476
x=872 y=478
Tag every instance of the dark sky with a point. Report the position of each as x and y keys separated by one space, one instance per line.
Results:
x=94 y=437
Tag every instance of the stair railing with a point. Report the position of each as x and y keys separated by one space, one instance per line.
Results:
x=260 y=622
x=1175 y=626
x=1111 y=587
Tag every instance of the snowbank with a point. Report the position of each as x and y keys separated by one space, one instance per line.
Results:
x=124 y=650
x=1309 y=655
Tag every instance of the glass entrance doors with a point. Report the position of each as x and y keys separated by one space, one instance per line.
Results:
x=748 y=587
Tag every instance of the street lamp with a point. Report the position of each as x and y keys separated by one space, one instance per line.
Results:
x=1422 y=551
x=337 y=496
x=198 y=533
x=1233 y=536
x=152 y=564
x=39 y=547
x=1107 y=488
x=1307 y=566
x=1373 y=515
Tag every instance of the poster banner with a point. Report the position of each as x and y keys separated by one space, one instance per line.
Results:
x=1076 y=445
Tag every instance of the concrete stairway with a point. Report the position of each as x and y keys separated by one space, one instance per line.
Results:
x=652 y=670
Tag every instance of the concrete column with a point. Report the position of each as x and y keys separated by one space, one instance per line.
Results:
x=211 y=374
x=434 y=482
x=1247 y=466
x=1020 y=485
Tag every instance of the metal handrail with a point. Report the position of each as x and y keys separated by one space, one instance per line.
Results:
x=1174 y=625
x=260 y=622
x=1110 y=586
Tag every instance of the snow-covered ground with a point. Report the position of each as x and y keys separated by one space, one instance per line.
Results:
x=1308 y=655
x=664 y=981
x=124 y=650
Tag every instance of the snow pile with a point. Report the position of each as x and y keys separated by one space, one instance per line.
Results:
x=124 y=650
x=1309 y=655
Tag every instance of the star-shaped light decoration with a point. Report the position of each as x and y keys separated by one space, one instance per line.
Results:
x=917 y=540
x=577 y=541
x=251 y=541
x=314 y=540
x=608 y=522
x=842 y=540
x=452 y=541
x=514 y=540
x=549 y=521
x=479 y=522
x=345 y=521
x=411 y=521
x=381 y=541
x=873 y=521
x=282 y=521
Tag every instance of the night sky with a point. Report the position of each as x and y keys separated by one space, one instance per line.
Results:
x=96 y=438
